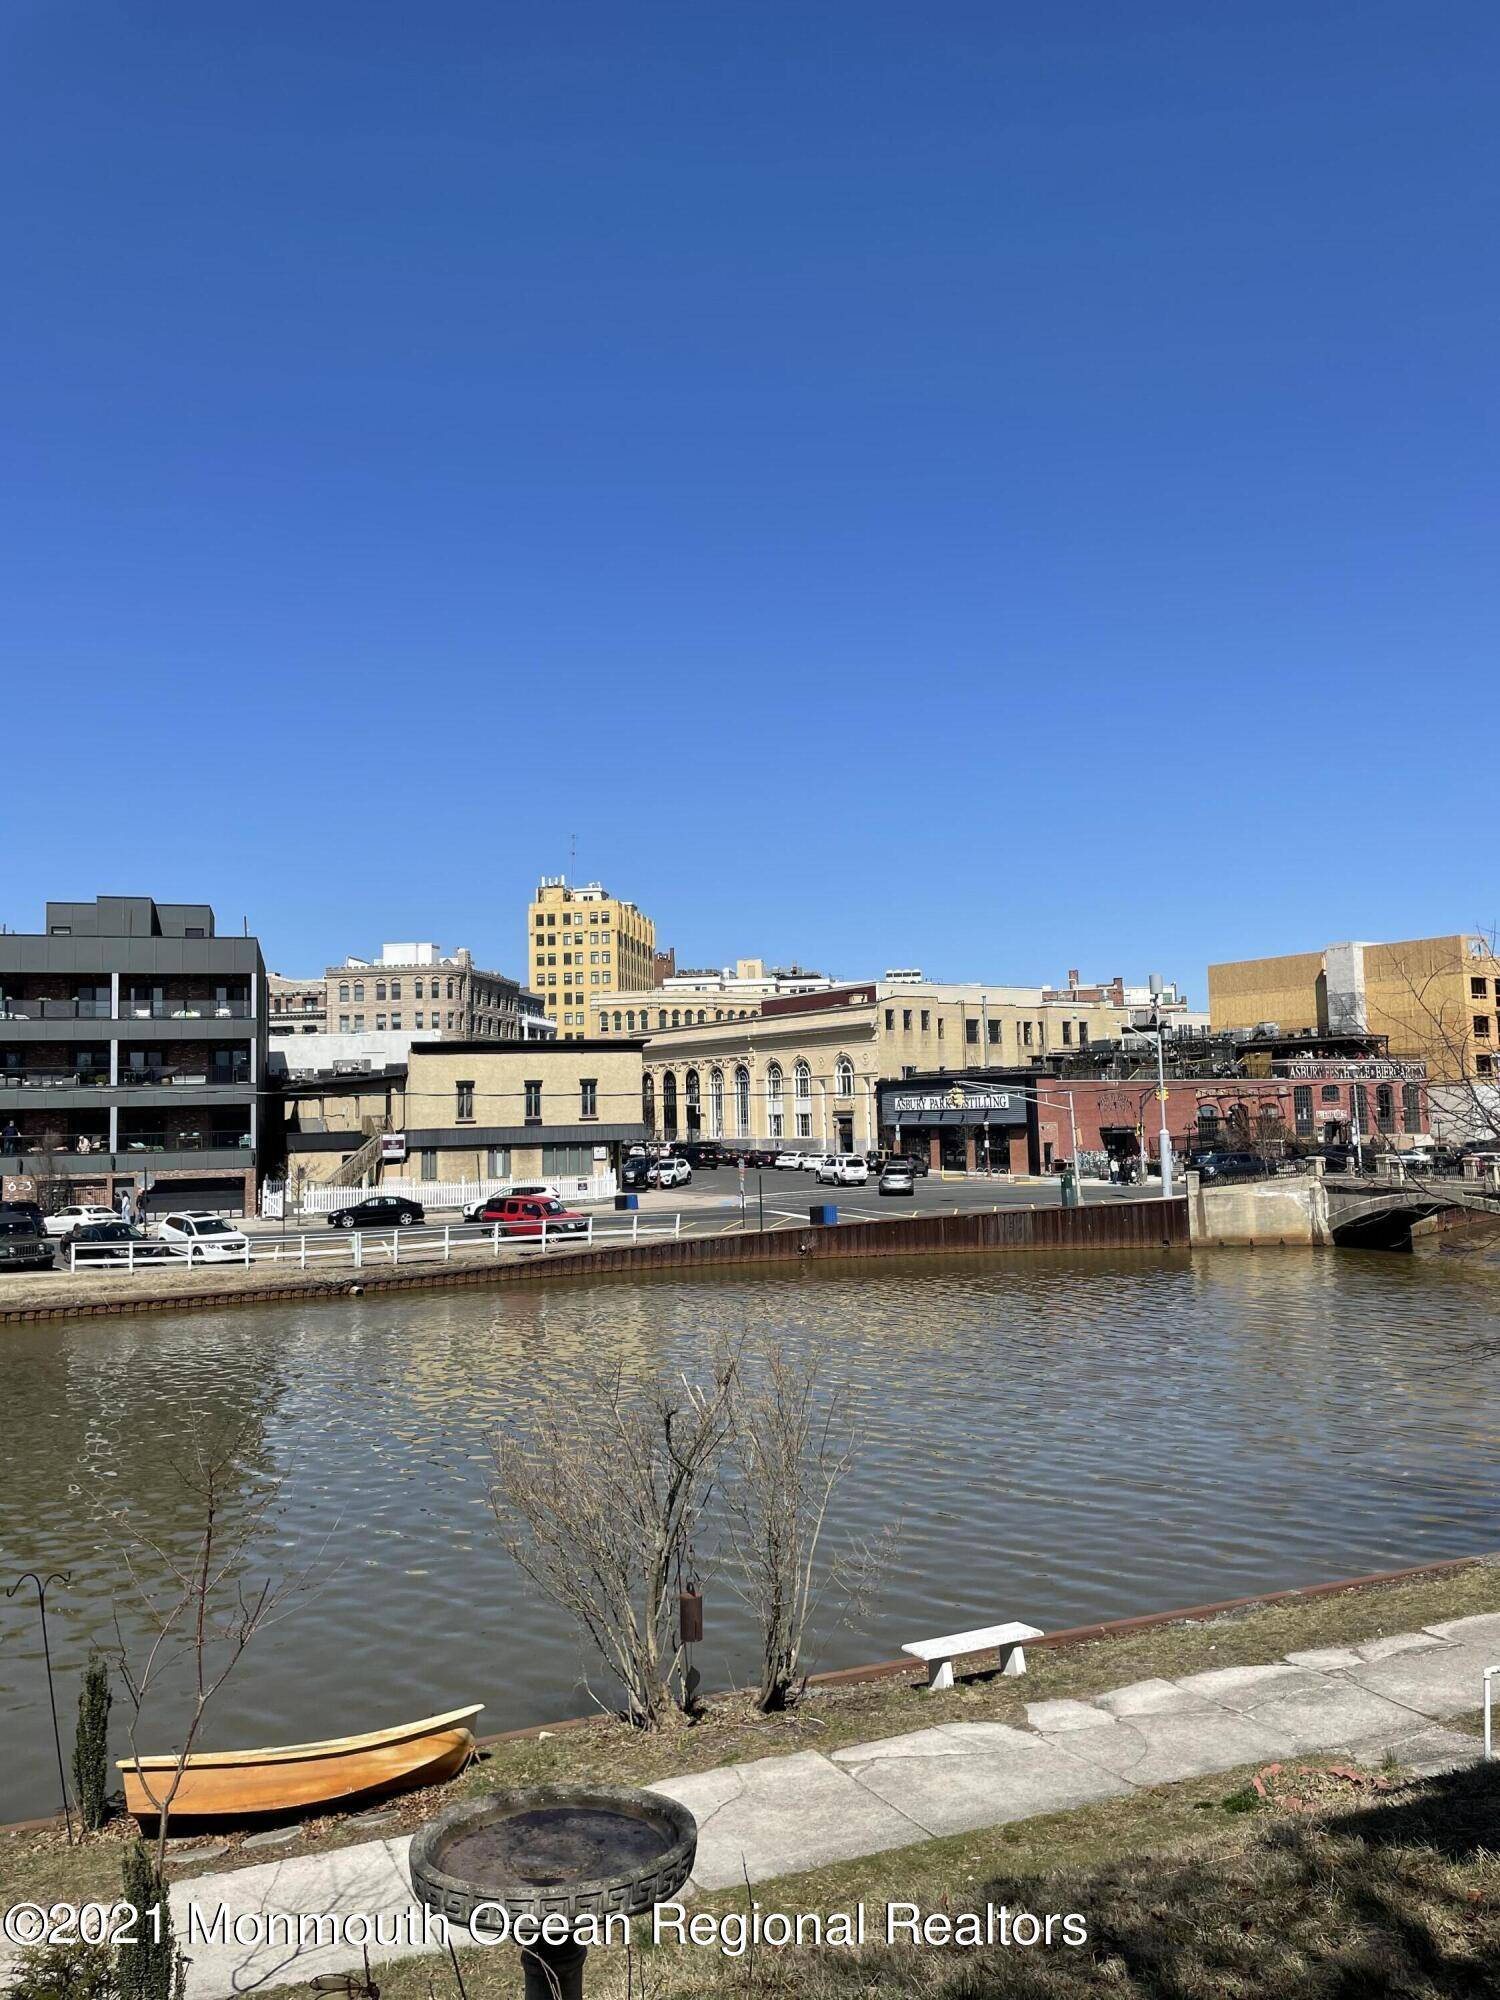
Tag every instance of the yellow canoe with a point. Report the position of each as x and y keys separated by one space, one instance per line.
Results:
x=293 y=1777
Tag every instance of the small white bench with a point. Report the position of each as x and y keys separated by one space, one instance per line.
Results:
x=939 y=1654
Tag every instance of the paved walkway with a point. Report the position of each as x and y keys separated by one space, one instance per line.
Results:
x=783 y=1815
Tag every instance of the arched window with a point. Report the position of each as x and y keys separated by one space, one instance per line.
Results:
x=661 y=1017
x=648 y=1103
x=742 y=1100
x=774 y=1116
x=617 y=1023
x=669 y=1105
x=844 y=1078
x=716 y=1104
x=694 y=1108
x=702 y=1013
x=676 y=1017
x=802 y=1076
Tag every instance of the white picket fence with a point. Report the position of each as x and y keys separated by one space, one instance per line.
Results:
x=359 y=1247
x=321 y=1200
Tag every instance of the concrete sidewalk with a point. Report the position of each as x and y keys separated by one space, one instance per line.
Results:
x=783 y=1815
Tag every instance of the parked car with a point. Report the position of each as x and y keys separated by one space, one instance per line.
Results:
x=703 y=1155
x=759 y=1156
x=896 y=1177
x=106 y=1242
x=673 y=1173
x=636 y=1172
x=920 y=1165
x=1229 y=1166
x=472 y=1212
x=203 y=1238
x=79 y=1215
x=788 y=1159
x=378 y=1211
x=23 y=1247
x=527 y=1214
x=843 y=1170
x=32 y=1213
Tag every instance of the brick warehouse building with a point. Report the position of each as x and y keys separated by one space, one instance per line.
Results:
x=1021 y=1121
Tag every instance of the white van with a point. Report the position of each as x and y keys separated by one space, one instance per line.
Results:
x=843 y=1170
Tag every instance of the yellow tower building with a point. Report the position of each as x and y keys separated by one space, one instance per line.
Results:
x=581 y=944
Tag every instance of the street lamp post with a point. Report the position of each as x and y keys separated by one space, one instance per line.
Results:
x=1153 y=1025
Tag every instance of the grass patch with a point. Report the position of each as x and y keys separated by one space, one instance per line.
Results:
x=1390 y=1891
x=731 y=1731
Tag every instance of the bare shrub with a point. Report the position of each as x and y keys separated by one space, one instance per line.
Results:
x=795 y=1442
x=597 y=1502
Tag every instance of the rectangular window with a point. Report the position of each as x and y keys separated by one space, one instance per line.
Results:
x=1411 y=1106
x=380 y=1020
x=940 y=1027
x=890 y=1017
x=533 y=1089
x=906 y=1020
x=464 y=1107
x=1484 y=1065
x=1302 y=1110
x=419 y=1017
x=572 y=1160
x=1479 y=989
x=343 y=1024
x=343 y=989
x=1026 y=1033
x=1385 y=1107
x=1083 y=1034
x=1330 y=1094
x=971 y=1031
x=359 y=1024
x=395 y=1020
x=588 y=1097
x=993 y=1028
x=395 y=989
x=359 y=990
x=380 y=989
x=804 y=1124
x=926 y=1018
x=497 y=1163
x=427 y=1164
x=1067 y=1034
x=1482 y=1027
x=418 y=993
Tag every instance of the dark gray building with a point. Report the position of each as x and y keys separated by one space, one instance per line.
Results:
x=132 y=1053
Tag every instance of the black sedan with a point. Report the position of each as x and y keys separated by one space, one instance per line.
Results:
x=379 y=1211
x=101 y=1242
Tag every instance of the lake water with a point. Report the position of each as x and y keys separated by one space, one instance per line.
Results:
x=1061 y=1440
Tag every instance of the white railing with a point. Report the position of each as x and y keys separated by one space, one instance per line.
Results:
x=319 y=1199
x=147 y=1255
x=357 y=1247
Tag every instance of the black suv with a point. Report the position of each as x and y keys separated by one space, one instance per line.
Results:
x=23 y=1246
x=1228 y=1166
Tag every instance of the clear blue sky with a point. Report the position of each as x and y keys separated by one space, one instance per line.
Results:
x=858 y=467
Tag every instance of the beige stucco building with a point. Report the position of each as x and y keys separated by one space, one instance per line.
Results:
x=544 y=1110
x=582 y=943
x=806 y=1068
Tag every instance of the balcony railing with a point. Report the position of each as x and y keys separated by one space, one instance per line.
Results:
x=12 y=1009
x=98 y=1078
x=183 y=1142
x=199 y=1009
x=51 y=1079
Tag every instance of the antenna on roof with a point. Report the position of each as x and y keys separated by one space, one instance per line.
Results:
x=573 y=855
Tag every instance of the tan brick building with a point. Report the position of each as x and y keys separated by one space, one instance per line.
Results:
x=541 y=1110
x=582 y=943
x=805 y=1070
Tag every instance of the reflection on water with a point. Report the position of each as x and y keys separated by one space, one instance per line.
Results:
x=1061 y=1439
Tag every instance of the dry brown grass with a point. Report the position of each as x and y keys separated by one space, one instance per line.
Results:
x=1185 y=1896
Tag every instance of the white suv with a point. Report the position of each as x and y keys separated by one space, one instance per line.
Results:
x=203 y=1238
x=843 y=1170
x=673 y=1173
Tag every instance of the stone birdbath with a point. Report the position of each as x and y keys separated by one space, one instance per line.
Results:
x=572 y=1853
